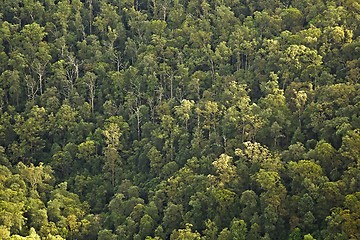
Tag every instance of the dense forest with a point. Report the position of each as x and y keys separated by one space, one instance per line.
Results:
x=175 y=119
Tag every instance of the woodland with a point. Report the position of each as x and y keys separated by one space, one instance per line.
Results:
x=176 y=119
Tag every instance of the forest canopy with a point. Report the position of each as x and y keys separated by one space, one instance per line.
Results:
x=159 y=119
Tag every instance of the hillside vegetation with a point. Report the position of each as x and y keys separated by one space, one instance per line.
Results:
x=159 y=119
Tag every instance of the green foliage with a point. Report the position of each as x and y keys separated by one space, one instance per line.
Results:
x=185 y=234
x=179 y=119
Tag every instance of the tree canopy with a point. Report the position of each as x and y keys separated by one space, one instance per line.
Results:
x=158 y=119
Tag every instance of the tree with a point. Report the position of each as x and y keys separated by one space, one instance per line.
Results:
x=292 y=18
x=90 y=83
x=275 y=111
x=179 y=119
x=36 y=51
x=11 y=81
x=241 y=114
x=172 y=218
x=342 y=221
x=266 y=24
x=258 y=156
x=63 y=123
x=31 y=133
x=210 y=112
x=32 y=236
x=13 y=206
x=238 y=229
x=249 y=202
x=224 y=234
x=106 y=234
x=350 y=147
x=37 y=214
x=184 y=110
x=308 y=237
x=112 y=134
x=35 y=176
x=156 y=160
x=242 y=42
x=296 y=61
x=225 y=169
x=211 y=230
x=327 y=157
x=307 y=176
x=67 y=211
x=185 y=234
x=146 y=226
